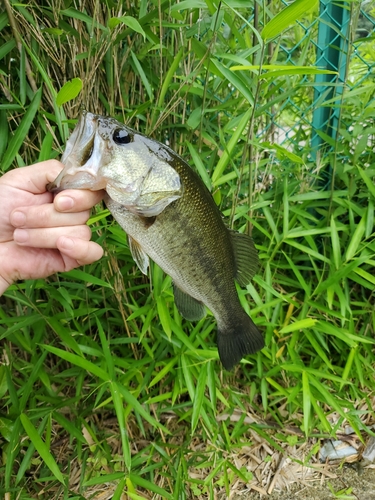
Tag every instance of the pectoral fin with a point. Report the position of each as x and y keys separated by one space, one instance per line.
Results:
x=246 y=257
x=140 y=257
x=153 y=205
x=190 y=308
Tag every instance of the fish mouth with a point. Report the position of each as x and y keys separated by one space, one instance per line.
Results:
x=82 y=157
x=62 y=182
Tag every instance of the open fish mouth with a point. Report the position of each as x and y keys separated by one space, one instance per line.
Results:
x=70 y=182
x=82 y=157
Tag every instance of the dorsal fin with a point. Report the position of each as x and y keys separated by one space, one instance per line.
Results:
x=246 y=257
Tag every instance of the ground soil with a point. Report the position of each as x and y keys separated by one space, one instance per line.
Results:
x=362 y=484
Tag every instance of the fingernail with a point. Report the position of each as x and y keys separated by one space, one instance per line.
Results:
x=66 y=243
x=18 y=218
x=64 y=203
x=21 y=235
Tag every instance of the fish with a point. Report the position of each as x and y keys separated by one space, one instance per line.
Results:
x=169 y=216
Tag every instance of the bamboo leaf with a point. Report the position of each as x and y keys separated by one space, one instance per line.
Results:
x=199 y=395
x=335 y=244
x=311 y=336
x=70 y=427
x=165 y=371
x=82 y=16
x=279 y=70
x=348 y=365
x=69 y=91
x=235 y=80
x=356 y=239
x=168 y=77
x=188 y=376
x=7 y=47
x=285 y=209
x=143 y=76
x=299 y=325
x=369 y=182
x=349 y=338
x=327 y=397
x=318 y=410
x=164 y=315
x=22 y=130
x=225 y=158
x=41 y=447
x=188 y=4
x=119 y=409
x=286 y=17
x=129 y=21
x=199 y=165
x=106 y=349
x=282 y=153
x=306 y=402
x=79 y=361
x=364 y=274
x=308 y=251
x=369 y=218
x=59 y=112
x=78 y=274
x=149 y=486
x=135 y=404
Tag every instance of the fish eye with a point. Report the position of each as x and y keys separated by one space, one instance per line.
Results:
x=120 y=136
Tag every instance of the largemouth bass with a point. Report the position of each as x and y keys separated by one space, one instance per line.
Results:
x=169 y=216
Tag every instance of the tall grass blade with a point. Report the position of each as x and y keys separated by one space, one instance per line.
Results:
x=79 y=361
x=22 y=130
x=356 y=239
x=41 y=447
x=119 y=409
x=199 y=396
x=228 y=152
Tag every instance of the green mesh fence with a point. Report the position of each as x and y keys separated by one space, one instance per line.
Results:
x=340 y=39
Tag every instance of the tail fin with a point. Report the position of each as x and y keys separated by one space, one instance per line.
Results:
x=237 y=339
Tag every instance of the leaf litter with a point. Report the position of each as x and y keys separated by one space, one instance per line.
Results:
x=275 y=463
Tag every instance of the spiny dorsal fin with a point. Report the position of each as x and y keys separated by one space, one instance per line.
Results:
x=190 y=308
x=246 y=257
x=140 y=257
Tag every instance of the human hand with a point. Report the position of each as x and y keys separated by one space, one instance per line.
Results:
x=41 y=235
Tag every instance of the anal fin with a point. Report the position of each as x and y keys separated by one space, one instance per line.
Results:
x=190 y=308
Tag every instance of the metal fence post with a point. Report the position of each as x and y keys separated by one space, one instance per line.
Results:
x=331 y=54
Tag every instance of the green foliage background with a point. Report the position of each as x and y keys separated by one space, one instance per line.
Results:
x=99 y=344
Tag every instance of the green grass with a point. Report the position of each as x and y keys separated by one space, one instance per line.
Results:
x=102 y=383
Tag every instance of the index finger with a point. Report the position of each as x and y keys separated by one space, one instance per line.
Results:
x=35 y=177
x=77 y=200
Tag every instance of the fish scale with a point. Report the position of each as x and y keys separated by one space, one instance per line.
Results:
x=170 y=217
x=175 y=241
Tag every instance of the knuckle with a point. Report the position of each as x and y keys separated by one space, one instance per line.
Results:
x=54 y=165
x=41 y=217
x=83 y=232
x=87 y=232
x=54 y=168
